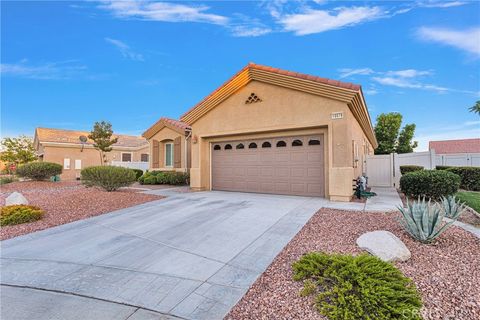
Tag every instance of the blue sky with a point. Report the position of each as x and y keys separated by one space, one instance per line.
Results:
x=67 y=64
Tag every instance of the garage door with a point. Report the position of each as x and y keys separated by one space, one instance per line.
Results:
x=281 y=165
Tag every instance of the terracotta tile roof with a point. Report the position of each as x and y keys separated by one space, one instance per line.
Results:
x=336 y=83
x=252 y=65
x=455 y=146
x=176 y=123
x=72 y=136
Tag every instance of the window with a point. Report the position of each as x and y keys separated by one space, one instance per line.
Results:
x=144 y=157
x=314 y=142
x=281 y=143
x=217 y=147
x=297 y=143
x=252 y=145
x=228 y=147
x=266 y=144
x=126 y=157
x=168 y=154
x=78 y=164
x=240 y=146
x=66 y=163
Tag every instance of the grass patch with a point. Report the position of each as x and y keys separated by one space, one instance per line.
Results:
x=471 y=199
x=17 y=214
x=357 y=287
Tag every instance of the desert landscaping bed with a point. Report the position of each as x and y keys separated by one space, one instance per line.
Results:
x=65 y=202
x=446 y=273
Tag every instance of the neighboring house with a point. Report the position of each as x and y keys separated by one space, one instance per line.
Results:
x=455 y=146
x=66 y=148
x=268 y=130
x=169 y=145
x=462 y=152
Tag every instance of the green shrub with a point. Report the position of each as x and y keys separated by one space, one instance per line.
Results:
x=109 y=178
x=39 y=170
x=357 y=287
x=138 y=173
x=164 y=177
x=443 y=167
x=470 y=177
x=423 y=221
x=429 y=183
x=410 y=168
x=17 y=214
x=5 y=180
x=150 y=180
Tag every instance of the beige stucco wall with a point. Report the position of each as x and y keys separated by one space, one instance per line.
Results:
x=167 y=135
x=89 y=157
x=282 y=111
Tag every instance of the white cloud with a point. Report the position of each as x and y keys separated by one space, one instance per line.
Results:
x=125 y=50
x=347 y=72
x=316 y=21
x=47 y=71
x=442 y=4
x=249 y=31
x=466 y=40
x=408 y=83
x=162 y=11
x=409 y=73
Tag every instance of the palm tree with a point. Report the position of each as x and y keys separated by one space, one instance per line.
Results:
x=475 y=108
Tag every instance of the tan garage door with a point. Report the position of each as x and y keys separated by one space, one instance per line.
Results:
x=281 y=165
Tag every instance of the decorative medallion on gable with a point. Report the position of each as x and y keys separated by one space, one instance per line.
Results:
x=252 y=99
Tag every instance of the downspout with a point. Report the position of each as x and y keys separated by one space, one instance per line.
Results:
x=188 y=132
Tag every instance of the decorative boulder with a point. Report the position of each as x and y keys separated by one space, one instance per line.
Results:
x=384 y=245
x=15 y=198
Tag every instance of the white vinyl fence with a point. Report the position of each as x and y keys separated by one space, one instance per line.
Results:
x=132 y=164
x=384 y=170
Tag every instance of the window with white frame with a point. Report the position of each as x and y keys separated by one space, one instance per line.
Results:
x=144 y=157
x=78 y=164
x=168 y=154
x=66 y=163
x=126 y=157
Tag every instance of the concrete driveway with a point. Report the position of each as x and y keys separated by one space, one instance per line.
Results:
x=191 y=255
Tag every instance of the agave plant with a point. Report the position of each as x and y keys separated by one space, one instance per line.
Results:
x=451 y=207
x=423 y=221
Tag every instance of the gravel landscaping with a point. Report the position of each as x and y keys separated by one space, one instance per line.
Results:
x=65 y=202
x=446 y=273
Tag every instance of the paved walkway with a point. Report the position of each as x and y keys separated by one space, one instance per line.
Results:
x=191 y=255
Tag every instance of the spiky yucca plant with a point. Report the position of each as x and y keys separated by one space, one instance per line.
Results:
x=423 y=221
x=452 y=208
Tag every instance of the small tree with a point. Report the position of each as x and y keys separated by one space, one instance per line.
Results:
x=386 y=131
x=475 y=108
x=18 y=150
x=405 y=143
x=390 y=138
x=102 y=137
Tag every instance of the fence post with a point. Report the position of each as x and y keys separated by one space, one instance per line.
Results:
x=433 y=159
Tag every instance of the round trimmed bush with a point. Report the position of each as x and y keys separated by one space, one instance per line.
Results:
x=151 y=179
x=410 y=168
x=110 y=178
x=138 y=173
x=429 y=183
x=357 y=287
x=17 y=214
x=39 y=170
x=443 y=167
x=470 y=177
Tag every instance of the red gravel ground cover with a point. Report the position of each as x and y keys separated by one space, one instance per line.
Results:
x=447 y=273
x=66 y=202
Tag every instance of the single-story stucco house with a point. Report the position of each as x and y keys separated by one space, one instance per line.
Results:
x=455 y=146
x=65 y=147
x=268 y=130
